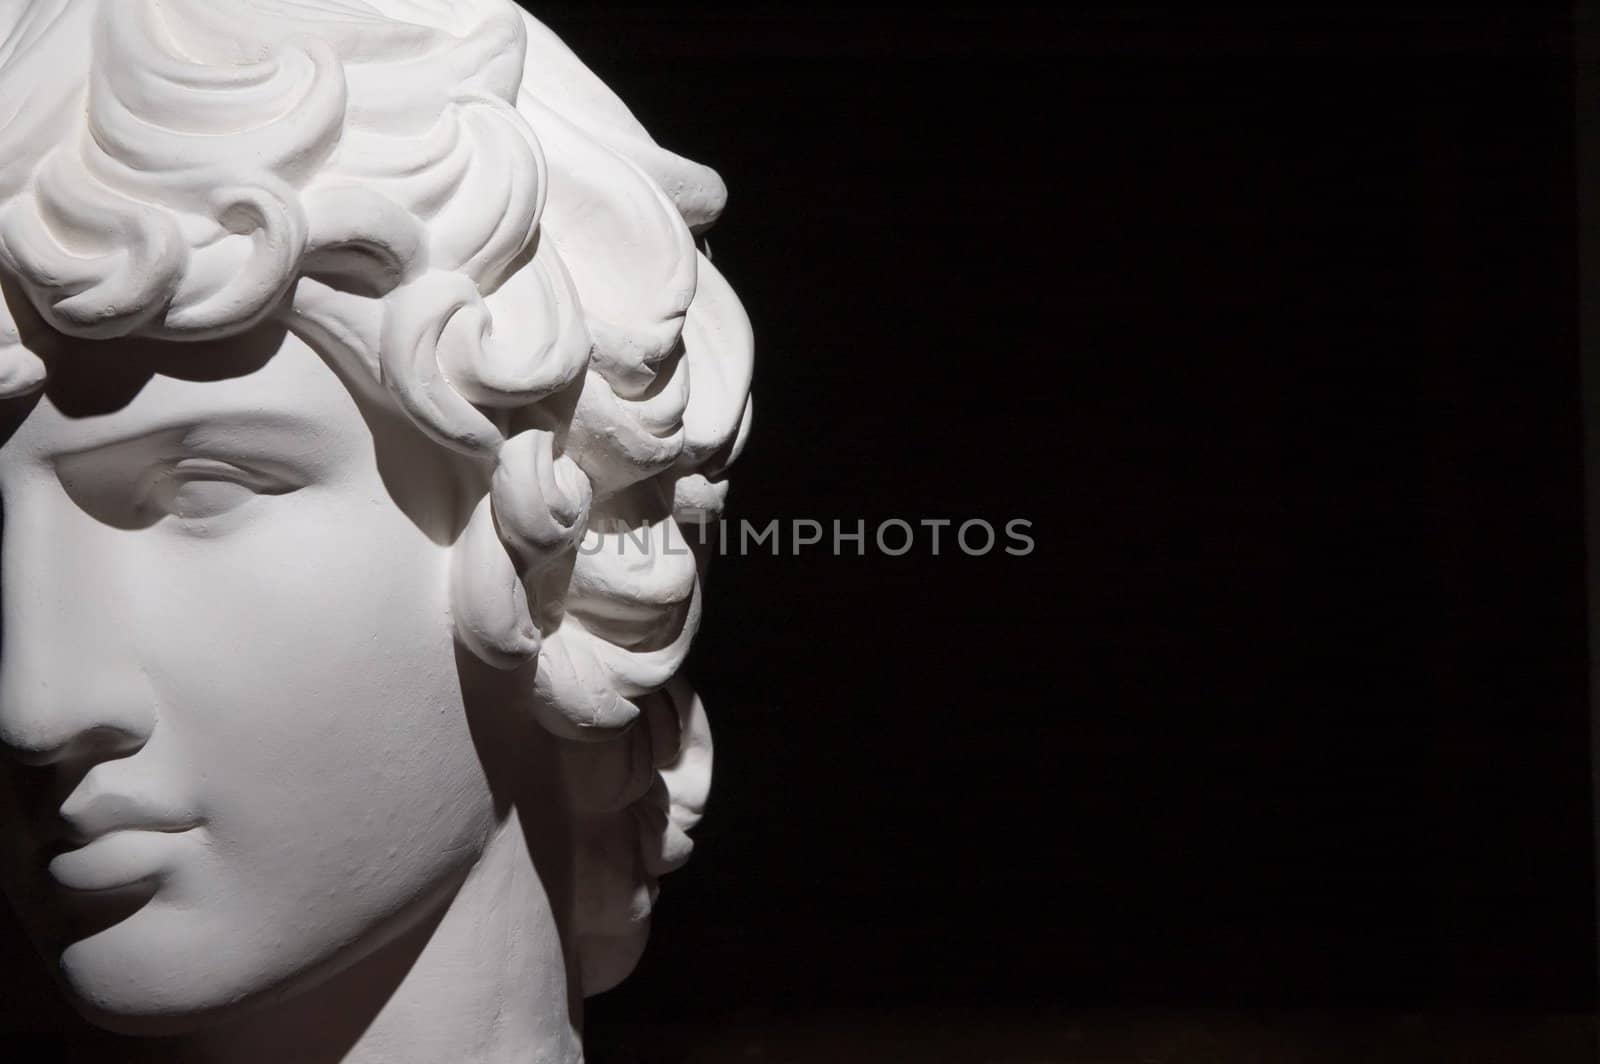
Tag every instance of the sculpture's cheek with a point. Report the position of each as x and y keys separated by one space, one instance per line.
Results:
x=302 y=671
x=256 y=638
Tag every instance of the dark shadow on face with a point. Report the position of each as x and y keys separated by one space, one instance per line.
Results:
x=28 y=806
x=91 y=378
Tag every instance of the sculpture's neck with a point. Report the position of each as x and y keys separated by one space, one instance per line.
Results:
x=476 y=985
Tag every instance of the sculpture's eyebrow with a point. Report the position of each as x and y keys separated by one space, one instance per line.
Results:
x=254 y=434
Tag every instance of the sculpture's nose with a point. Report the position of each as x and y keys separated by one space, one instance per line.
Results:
x=67 y=689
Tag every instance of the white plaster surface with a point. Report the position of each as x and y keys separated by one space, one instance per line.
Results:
x=349 y=351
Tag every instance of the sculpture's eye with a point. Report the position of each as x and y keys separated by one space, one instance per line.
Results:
x=193 y=489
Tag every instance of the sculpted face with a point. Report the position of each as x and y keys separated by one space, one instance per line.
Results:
x=229 y=686
x=349 y=350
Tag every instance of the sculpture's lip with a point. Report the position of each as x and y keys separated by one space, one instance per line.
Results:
x=83 y=820
x=117 y=859
x=70 y=840
x=74 y=839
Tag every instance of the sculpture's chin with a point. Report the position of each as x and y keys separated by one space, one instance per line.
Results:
x=170 y=970
x=161 y=972
x=124 y=1018
x=132 y=1004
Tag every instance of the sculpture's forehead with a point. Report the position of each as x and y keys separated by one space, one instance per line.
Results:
x=268 y=384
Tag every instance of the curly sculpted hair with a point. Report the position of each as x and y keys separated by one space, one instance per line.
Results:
x=443 y=199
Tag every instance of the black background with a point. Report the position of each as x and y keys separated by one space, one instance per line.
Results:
x=1267 y=322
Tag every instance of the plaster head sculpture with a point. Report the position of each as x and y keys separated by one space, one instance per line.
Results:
x=351 y=351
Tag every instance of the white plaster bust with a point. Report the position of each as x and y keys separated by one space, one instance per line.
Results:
x=350 y=350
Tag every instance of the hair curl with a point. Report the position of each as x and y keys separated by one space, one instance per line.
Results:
x=442 y=197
